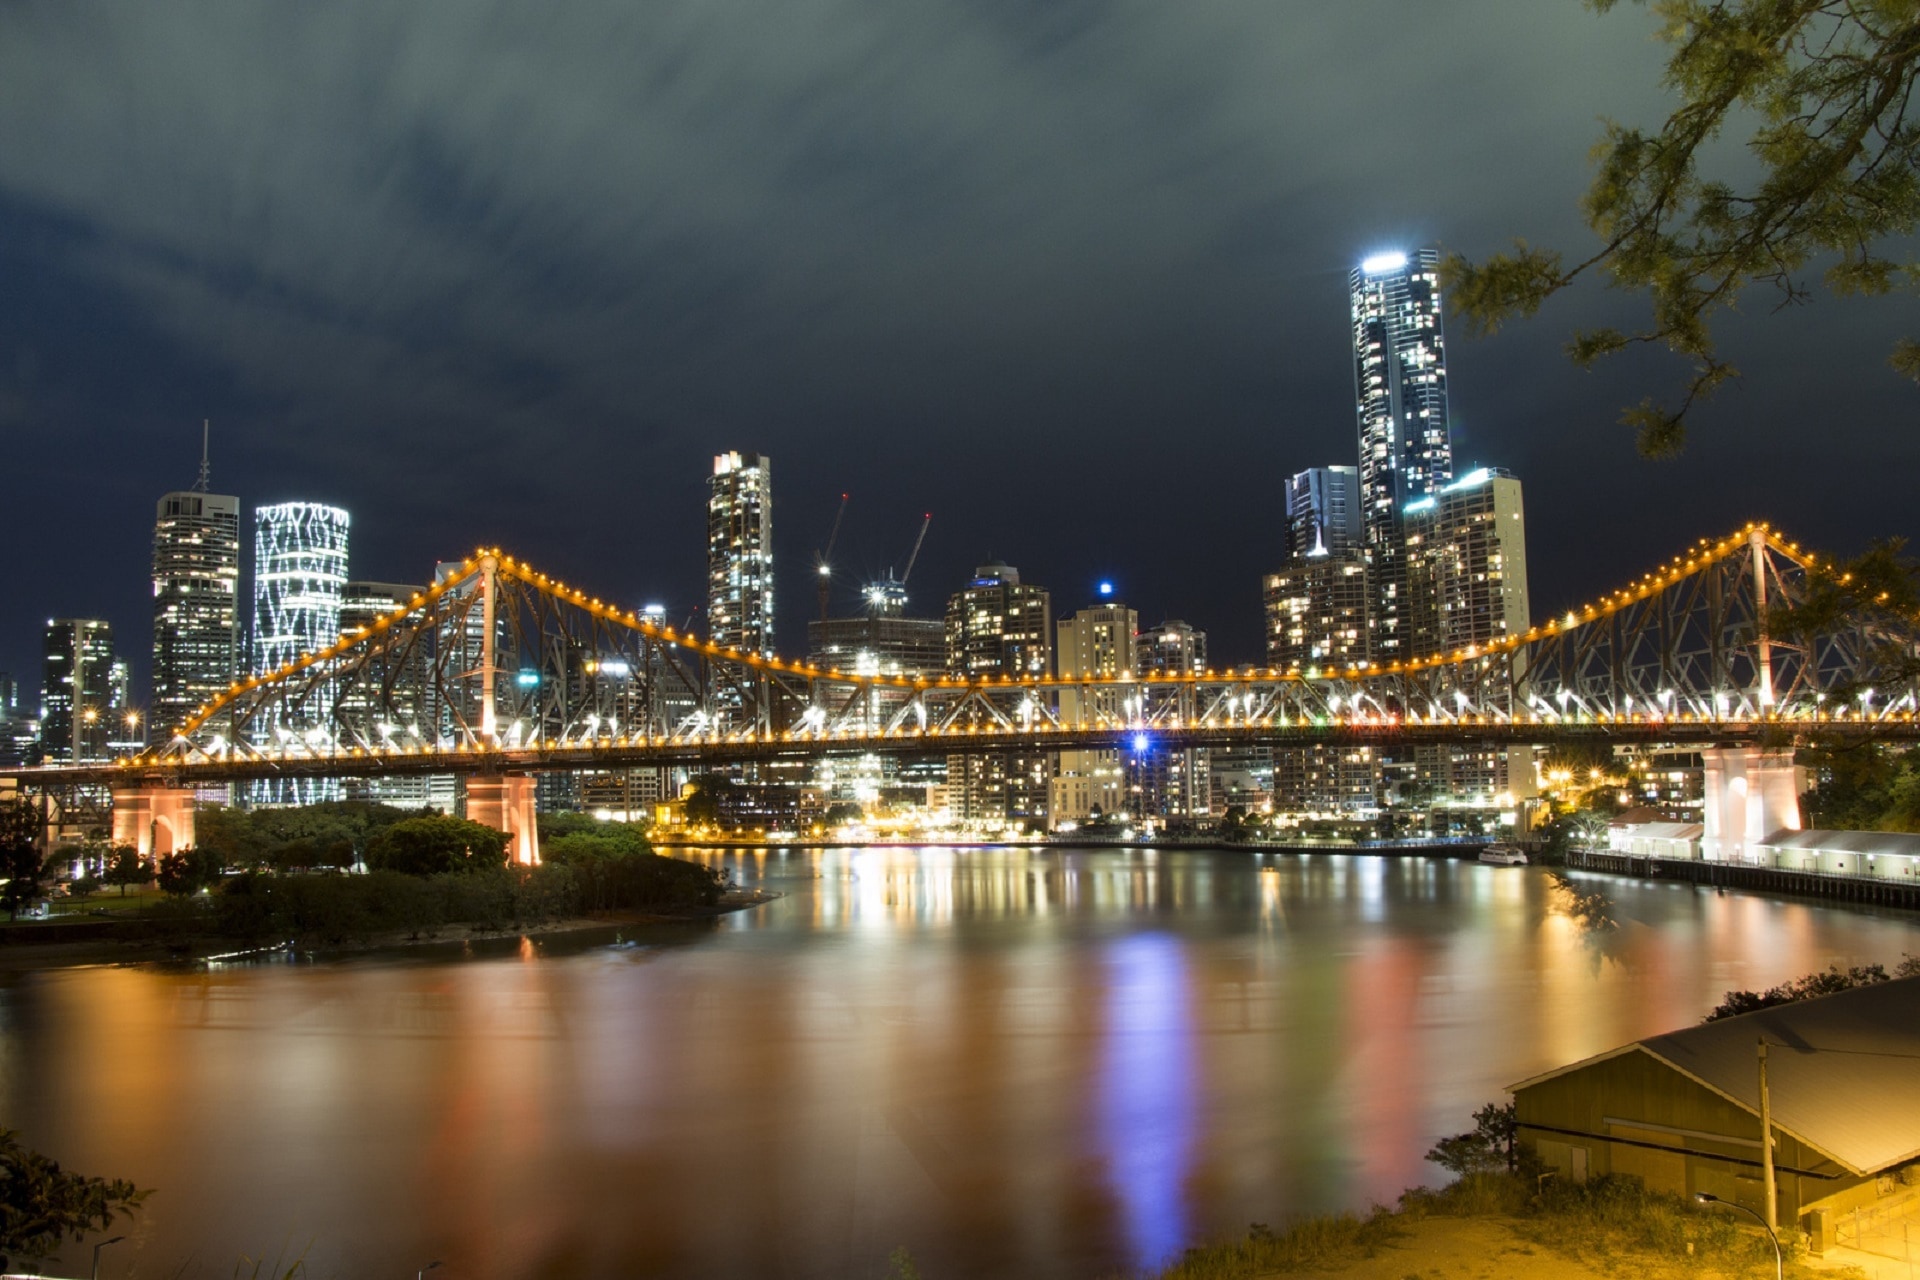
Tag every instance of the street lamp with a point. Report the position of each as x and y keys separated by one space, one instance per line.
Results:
x=1779 y=1261
x=96 y=1253
x=431 y=1266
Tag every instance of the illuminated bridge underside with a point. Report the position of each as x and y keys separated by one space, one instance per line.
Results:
x=500 y=668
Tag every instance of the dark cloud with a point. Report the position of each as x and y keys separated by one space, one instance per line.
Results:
x=1069 y=274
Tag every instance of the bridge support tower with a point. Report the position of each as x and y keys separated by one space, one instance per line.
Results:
x=505 y=803
x=155 y=820
x=1751 y=793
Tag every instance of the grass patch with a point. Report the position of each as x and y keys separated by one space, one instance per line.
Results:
x=1611 y=1223
x=1311 y=1244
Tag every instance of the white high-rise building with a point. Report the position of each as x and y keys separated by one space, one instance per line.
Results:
x=740 y=552
x=739 y=563
x=1467 y=563
x=1406 y=443
x=299 y=581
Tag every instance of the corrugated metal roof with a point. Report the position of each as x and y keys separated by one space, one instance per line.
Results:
x=1664 y=831
x=1893 y=843
x=1843 y=1071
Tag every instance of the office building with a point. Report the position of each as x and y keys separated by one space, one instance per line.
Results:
x=388 y=699
x=77 y=698
x=196 y=603
x=1406 y=448
x=1170 y=785
x=1323 y=512
x=1099 y=643
x=998 y=625
x=1467 y=563
x=299 y=578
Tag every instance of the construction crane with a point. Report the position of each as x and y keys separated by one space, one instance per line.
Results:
x=823 y=568
x=889 y=597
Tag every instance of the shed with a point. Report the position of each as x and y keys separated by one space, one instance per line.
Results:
x=1681 y=1111
x=1890 y=855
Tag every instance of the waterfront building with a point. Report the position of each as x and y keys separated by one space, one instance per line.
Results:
x=1466 y=548
x=1162 y=783
x=739 y=561
x=76 y=702
x=1406 y=445
x=998 y=625
x=299 y=578
x=1323 y=512
x=1097 y=643
x=196 y=603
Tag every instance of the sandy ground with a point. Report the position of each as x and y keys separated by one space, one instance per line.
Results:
x=1441 y=1248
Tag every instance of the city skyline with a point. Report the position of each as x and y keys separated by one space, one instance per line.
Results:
x=1062 y=371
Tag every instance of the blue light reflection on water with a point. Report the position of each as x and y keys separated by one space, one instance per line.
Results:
x=1148 y=1103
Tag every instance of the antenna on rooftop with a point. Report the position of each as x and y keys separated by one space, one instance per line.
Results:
x=206 y=471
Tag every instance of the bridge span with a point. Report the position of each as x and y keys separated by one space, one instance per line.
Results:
x=499 y=672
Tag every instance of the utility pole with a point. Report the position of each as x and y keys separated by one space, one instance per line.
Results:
x=1766 y=1140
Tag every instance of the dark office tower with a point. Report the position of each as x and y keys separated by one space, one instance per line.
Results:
x=998 y=625
x=77 y=698
x=1323 y=512
x=196 y=619
x=1406 y=448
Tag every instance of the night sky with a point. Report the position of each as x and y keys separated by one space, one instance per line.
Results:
x=1070 y=275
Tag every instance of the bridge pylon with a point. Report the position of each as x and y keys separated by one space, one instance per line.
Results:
x=156 y=820
x=505 y=802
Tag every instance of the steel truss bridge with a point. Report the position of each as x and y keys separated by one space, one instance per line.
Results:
x=499 y=669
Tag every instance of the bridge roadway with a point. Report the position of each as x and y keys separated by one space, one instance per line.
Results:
x=721 y=749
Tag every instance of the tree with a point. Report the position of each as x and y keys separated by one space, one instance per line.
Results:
x=431 y=845
x=126 y=867
x=1824 y=91
x=40 y=1203
x=21 y=864
x=1804 y=987
x=1488 y=1148
x=189 y=871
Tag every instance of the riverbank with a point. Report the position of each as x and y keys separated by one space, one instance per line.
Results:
x=141 y=941
x=1502 y=1227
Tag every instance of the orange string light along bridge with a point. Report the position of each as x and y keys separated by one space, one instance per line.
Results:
x=500 y=668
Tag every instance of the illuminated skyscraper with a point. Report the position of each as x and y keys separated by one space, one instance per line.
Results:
x=1100 y=642
x=1467 y=563
x=998 y=625
x=1164 y=782
x=1406 y=444
x=76 y=703
x=299 y=580
x=740 y=552
x=196 y=592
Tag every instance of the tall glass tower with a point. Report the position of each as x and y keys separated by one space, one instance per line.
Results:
x=196 y=618
x=76 y=702
x=1406 y=444
x=740 y=552
x=299 y=580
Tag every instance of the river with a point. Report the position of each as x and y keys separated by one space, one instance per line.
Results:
x=1008 y=1062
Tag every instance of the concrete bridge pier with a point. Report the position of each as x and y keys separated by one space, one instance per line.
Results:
x=505 y=803
x=1751 y=793
x=155 y=820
